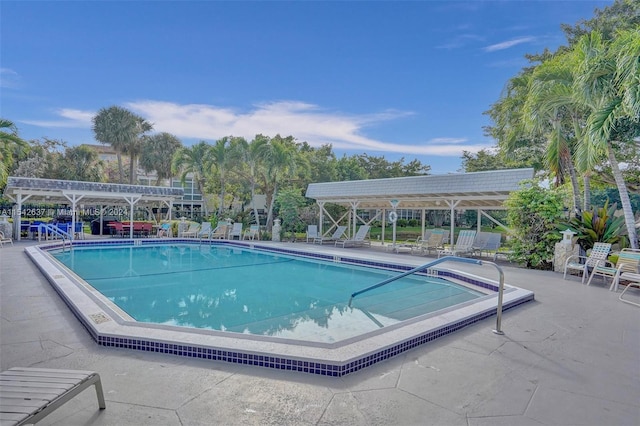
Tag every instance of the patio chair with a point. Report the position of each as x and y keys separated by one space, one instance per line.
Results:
x=312 y=232
x=434 y=242
x=205 y=231
x=164 y=230
x=488 y=242
x=220 y=232
x=598 y=256
x=633 y=280
x=192 y=231
x=236 y=231
x=31 y=394
x=4 y=240
x=252 y=233
x=464 y=244
x=358 y=240
x=337 y=234
x=628 y=261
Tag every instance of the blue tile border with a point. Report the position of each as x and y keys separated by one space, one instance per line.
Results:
x=318 y=367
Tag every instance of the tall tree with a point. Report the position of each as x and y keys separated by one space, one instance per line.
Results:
x=194 y=160
x=280 y=161
x=80 y=163
x=10 y=146
x=222 y=158
x=252 y=154
x=122 y=129
x=157 y=154
x=608 y=82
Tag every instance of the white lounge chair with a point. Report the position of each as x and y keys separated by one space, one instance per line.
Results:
x=4 y=240
x=358 y=240
x=220 y=232
x=28 y=395
x=192 y=232
x=252 y=233
x=434 y=242
x=312 y=232
x=488 y=242
x=205 y=231
x=598 y=257
x=337 y=234
x=628 y=261
x=464 y=244
x=236 y=231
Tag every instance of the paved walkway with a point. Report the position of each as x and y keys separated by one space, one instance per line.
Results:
x=572 y=357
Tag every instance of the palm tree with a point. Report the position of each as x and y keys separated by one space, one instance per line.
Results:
x=134 y=148
x=121 y=129
x=552 y=109
x=157 y=154
x=222 y=157
x=607 y=82
x=194 y=160
x=10 y=145
x=280 y=160
x=252 y=154
x=80 y=163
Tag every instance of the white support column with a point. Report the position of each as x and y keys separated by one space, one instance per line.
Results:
x=74 y=198
x=354 y=207
x=384 y=222
x=17 y=215
x=452 y=205
x=479 y=223
x=132 y=200
x=320 y=216
x=424 y=222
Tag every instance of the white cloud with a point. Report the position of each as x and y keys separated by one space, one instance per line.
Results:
x=9 y=79
x=72 y=118
x=306 y=122
x=507 y=44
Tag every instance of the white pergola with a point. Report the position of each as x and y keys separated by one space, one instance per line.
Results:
x=21 y=189
x=479 y=191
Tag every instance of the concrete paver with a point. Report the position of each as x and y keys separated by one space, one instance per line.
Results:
x=570 y=357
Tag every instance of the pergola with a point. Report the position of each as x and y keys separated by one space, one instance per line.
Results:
x=479 y=191
x=21 y=189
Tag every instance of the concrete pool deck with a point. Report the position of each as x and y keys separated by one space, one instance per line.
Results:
x=572 y=356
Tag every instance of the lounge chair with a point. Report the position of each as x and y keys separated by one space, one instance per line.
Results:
x=434 y=242
x=337 y=234
x=252 y=233
x=164 y=230
x=488 y=242
x=598 y=256
x=205 y=231
x=358 y=240
x=4 y=240
x=30 y=394
x=236 y=231
x=628 y=261
x=192 y=231
x=220 y=232
x=633 y=280
x=312 y=232
x=464 y=244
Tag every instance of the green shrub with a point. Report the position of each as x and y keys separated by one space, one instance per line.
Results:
x=532 y=213
x=598 y=225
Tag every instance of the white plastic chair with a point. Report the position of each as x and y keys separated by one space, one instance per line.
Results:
x=597 y=257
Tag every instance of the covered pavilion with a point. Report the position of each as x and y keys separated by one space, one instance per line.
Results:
x=77 y=193
x=480 y=191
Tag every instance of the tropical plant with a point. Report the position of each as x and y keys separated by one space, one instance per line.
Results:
x=194 y=160
x=288 y=202
x=532 y=214
x=10 y=146
x=157 y=154
x=123 y=130
x=598 y=225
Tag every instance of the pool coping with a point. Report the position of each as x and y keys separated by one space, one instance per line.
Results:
x=335 y=360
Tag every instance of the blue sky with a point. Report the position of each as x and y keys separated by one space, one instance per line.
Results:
x=399 y=79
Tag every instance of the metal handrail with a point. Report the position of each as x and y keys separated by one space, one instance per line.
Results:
x=56 y=230
x=478 y=262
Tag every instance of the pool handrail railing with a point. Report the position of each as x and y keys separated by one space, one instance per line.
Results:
x=435 y=262
x=47 y=227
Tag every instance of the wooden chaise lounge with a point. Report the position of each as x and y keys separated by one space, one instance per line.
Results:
x=27 y=395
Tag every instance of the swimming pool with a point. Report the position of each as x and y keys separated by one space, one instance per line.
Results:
x=239 y=290
x=111 y=325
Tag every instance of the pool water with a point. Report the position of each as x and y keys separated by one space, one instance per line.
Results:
x=260 y=293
